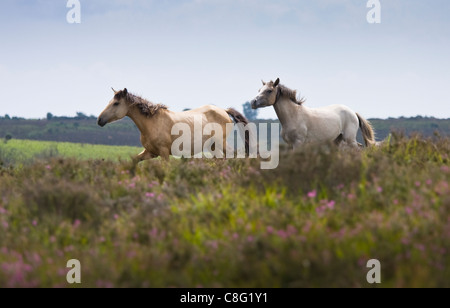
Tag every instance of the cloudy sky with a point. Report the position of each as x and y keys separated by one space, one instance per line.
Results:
x=188 y=53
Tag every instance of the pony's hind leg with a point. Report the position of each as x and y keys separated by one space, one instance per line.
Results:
x=352 y=142
x=350 y=137
x=339 y=139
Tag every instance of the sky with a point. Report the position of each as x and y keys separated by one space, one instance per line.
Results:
x=189 y=53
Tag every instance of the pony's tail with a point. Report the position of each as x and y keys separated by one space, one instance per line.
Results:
x=239 y=118
x=367 y=131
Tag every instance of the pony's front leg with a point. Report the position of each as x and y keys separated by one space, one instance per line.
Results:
x=297 y=144
x=144 y=155
x=165 y=154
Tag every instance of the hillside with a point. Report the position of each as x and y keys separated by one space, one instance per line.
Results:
x=78 y=130
x=124 y=132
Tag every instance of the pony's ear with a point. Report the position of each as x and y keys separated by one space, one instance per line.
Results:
x=277 y=82
x=115 y=92
x=263 y=82
x=125 y=91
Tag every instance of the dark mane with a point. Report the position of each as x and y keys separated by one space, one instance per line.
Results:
x=146 y=107
x=291 y=94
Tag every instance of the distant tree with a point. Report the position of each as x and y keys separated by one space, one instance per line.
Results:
x=8 y=137
x=249 y=113
x=7 y=117
x=81 y=115
x=49 y=116
x=186 y=109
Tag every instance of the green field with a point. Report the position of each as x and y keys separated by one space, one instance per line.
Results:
x=26 y=151
x=314 y=221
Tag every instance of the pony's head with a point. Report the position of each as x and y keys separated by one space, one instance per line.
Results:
x=267 y=95
x=117 y=108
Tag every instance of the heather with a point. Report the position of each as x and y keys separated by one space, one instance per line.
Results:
x=314 y=221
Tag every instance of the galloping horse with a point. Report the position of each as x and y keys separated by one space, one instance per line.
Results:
x=301 y=124
x=155 y=122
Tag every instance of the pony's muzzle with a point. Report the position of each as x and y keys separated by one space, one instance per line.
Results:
x=254 y=104
x=101 y=122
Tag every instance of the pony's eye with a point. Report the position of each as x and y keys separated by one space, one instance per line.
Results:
x=269 y=91
x=116 y=104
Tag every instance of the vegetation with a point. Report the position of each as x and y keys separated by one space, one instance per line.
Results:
x=314 y=221
x=249 y=113
x=81 y=129
x=16 y=152
x=424 y=125
x=84 y=129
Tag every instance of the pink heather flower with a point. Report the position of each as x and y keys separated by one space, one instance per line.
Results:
x=150 y=195
x=77 y=223
x=441 y=187
x=132 y=185
x=380 y=189
x=68 y=248
x=283 y=234
x=351 y=196
x=250 y=238
x=307 y=227
x=104 y=284
x=36 y=258
x=116 y=216
x=312 y=194
x=269 y=229
x=291 y=230
x=340 y=186
x=153 y=183
x=214 y=244
x=34 y=223
x=120 y=182
x=331 y=204
x=160 y=197
x=154 y=232
x=235 y=236
x=2 y=210
x=48 y=167
x=417 y=184
x=395 y=201
x=408 y=210
x=445 y=169
x=420 y=247
x=102 y=239
x=429 y=182
x=321 y=209
x=362 y=261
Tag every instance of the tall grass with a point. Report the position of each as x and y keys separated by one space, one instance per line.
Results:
x=314 y=221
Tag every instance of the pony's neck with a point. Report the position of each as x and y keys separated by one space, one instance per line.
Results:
x=285 y=110
x=137 y=117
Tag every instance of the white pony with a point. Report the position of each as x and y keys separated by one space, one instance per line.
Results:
x=301 y=124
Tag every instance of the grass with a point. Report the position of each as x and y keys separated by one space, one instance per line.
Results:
x=25 y=151
x=314 y=221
